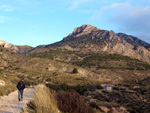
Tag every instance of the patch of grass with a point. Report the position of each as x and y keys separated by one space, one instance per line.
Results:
x=44 y=101
x=5 y=90
x=74 y=80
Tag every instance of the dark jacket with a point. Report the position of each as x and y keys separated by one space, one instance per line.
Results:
x=21 y=85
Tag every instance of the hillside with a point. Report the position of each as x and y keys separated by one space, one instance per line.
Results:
x=59 y=77
x=35 y=70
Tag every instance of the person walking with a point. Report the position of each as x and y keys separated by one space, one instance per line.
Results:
x=20 y=86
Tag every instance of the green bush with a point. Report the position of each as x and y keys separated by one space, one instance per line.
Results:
x=75 y=70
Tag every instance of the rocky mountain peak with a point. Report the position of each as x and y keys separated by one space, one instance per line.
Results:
x=112 y=33
x=83 y=30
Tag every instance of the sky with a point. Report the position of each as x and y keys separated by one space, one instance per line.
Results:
x=41 y=22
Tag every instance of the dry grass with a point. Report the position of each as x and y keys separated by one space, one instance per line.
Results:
x=5 y=90
x=73 y=80
x=43 y=102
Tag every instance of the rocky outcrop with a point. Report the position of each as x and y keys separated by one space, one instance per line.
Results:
x=83 y=30
x=17 y=49
x=127 y=49
x=9 y=46
x=133 y=40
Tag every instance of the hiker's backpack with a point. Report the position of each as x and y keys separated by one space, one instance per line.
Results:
x=20 y=85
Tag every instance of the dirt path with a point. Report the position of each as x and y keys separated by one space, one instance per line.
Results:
x=10 y=103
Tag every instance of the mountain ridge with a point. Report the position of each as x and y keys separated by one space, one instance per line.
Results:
x=88 y=37
x=129 y=38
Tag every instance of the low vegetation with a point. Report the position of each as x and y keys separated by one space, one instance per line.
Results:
x=44 y=101
x=49 y=101
x=72 y=102
x=75 y=70
x=94 y=60
x=5 y=90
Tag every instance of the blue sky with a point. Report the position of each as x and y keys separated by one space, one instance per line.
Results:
x=38 y=22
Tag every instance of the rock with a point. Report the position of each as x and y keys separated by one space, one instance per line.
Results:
x=9 y=46
x=84 y=29
x=51 y=67
x=2 y=83
x=105 y=109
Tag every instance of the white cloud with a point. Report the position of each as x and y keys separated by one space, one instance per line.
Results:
x=111 y=9
x=6 y=8
x=127 y=18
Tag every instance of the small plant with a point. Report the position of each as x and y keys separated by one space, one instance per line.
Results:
x=75 y=70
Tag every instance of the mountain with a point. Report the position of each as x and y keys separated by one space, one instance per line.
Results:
x=17 y=49
x=88 y=38
x=108 y=41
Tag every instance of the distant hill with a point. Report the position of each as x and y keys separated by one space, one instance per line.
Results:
x=17 y=49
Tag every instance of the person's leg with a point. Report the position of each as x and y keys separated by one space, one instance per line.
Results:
x=19 y=94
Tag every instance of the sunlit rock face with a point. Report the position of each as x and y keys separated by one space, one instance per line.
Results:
x=9 y=46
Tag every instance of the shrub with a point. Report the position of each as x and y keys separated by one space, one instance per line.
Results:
x=44 y=101
x=75 y=70
x=72 y=102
